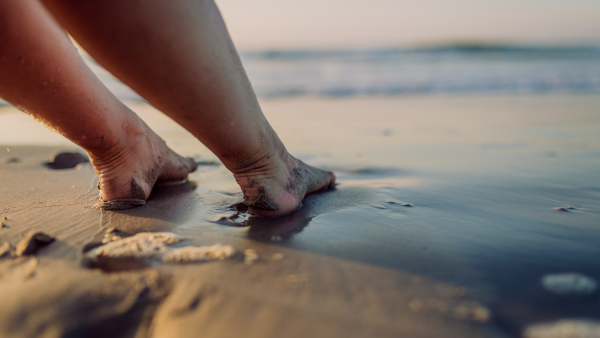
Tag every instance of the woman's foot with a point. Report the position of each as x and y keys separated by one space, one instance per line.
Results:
x=129 y=169
x=276 y=184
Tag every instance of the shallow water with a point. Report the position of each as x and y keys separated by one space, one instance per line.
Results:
x=496 y=233
x=483 y=177
x=483 y=207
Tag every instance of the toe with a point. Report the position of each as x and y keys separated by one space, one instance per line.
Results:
x=178 y=168
x=190 y=164
x=330 y=179
x=320 y=180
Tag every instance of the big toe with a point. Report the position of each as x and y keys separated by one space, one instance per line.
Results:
x=319 y=179
x=178 y=168
x=190 y=164
x=330 y=179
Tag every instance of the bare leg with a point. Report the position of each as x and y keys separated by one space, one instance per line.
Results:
x=42 y=73
x=178 y=55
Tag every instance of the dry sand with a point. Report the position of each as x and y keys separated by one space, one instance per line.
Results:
x=444 y=223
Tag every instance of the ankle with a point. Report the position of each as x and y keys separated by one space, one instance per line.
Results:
x=116 y=143
x=270 y=151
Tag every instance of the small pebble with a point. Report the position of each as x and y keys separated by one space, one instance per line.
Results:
x=32 y=243
x=2 y=225
x=66 y=160
x=399 y=202
x=569 y=284
x=12 y=160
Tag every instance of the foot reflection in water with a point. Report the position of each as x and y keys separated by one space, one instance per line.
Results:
x=282 y=229
x=279 y=229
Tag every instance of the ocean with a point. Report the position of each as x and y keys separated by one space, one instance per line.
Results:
x=447 y=70
x=437 y=70
x=459 y=69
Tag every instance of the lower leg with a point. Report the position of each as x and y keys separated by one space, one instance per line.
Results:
x=178 y=55
x=42 y=73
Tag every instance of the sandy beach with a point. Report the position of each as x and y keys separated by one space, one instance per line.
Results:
x=448 y=213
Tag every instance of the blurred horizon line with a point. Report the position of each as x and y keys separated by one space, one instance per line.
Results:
x=464 y=45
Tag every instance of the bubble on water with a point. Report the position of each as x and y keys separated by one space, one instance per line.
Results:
x=565 y=328
x=569 y=284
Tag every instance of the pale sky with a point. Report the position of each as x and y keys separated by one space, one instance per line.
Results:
x=260 y=24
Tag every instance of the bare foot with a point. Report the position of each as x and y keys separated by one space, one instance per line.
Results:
x=132 y=166
x=276 y=184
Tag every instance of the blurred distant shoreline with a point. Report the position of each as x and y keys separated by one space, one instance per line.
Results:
x=467 y=68
x=467 y=45
x=443 y=69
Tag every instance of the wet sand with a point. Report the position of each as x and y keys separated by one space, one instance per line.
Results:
x=448 y=216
